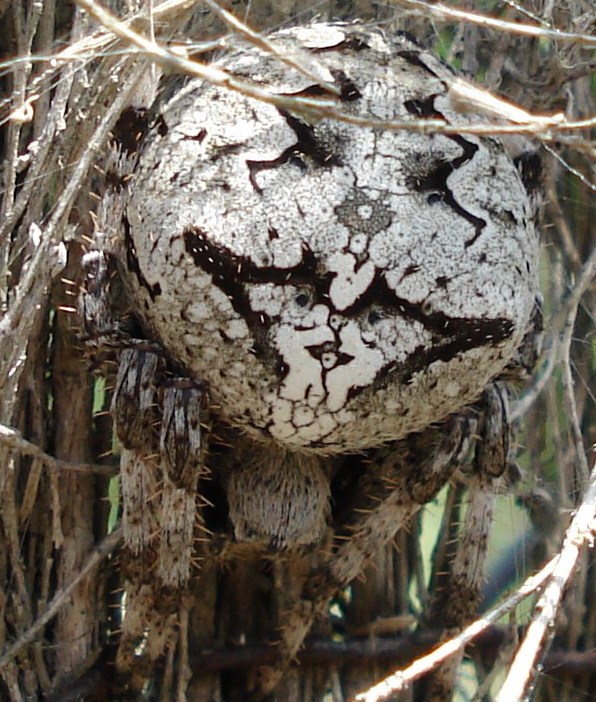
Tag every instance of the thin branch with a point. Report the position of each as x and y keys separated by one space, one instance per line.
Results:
x=581 y=529
x=586 y=275
x=563 y=324
x=305 y=65
x=402 y=678
x=384 y=650
x=45 y=140
x=443 y=12
x=13 y=439
x=567 y=240
x=523 y=404
x=568 y=167
x=97 y=555
x=17 y=322
x=89 y=48
x=543 y=126
x=557 y=664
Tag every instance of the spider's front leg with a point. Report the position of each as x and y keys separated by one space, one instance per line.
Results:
x=135 y=414
x=134 y=411
x=102 y=304
x=159 y=422
x=182 y=452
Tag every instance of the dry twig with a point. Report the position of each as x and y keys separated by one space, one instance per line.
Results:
x=562 y=325
x=442 y=11
x=556 y=573
x=14 y=440
x=405 y=677
x=99 y=553
x=545 y=127
x=581 y=531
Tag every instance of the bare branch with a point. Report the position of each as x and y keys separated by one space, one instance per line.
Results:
x=402 y=678
x=300 y=60
x=377 y=648
x=562 y=324
x=571 y=169
x=88 y=48
x=545 y=127
x=14 y=440
x=582 y=529
x=523 y=404
x=442 y=12
x=585 y=278
x=97 y=555
x=17 y=322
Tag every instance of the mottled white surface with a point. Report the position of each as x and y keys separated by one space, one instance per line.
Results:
x=336 y=286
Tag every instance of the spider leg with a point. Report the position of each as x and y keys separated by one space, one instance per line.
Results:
x=182 y=451
x=161 y=425
x=457 y=602
x=402 y=477
x=100 y=325
x=134 y=403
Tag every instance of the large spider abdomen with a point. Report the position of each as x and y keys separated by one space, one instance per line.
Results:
x=336 y=285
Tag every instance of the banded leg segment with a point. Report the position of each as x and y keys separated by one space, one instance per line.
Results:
x=182 y=449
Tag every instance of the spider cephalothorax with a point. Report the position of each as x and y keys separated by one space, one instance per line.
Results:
x=324 y=287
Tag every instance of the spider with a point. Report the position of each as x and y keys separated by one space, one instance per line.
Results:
x=289 y=296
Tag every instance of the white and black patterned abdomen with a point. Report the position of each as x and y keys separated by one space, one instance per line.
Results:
x=336 y=286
